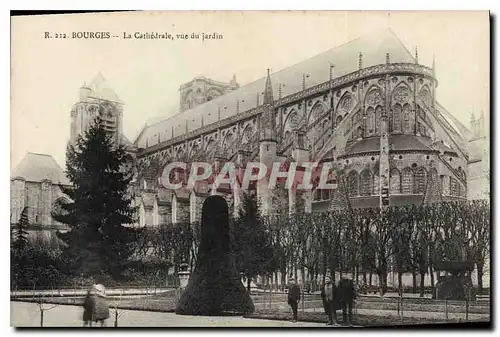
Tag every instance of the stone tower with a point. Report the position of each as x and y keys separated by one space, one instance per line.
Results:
x=479 y=163
x=201 y=90
x=267 y=146
x=97 y=99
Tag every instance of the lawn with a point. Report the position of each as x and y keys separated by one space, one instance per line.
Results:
x=280 y=311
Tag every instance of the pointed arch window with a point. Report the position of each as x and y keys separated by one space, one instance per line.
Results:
x=376 y=183
x=325 y=194
x=366 y=183
x=396 y=110
x=286 y=137
x=316 y=112
x=453 y=187
x=317 y=194
x=378 y=115
x=352 y=183
x=370 y=112
x=395 y=181
x=247 y=134
x=420 y=180
x=292 y=120
x=407 y=182
x=324 y=125
x=406 y=119
x=228 y=140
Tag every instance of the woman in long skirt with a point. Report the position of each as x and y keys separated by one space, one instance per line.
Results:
x=95 y=306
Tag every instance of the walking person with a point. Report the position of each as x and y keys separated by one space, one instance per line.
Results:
x=293 y=297
x=329 y=292
x=95 y=306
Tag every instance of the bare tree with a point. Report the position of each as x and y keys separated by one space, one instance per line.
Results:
x=401 y=218
x=383 y=233
x=476 y=218
x=43 y=307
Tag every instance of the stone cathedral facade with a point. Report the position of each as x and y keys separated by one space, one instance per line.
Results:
x=368 y=107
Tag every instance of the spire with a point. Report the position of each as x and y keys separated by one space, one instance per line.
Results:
x=268 y=92
x=360 y=61
x=416 y=54
x=472 y=116
x=331 y=70
x=233 y=82
x=434 y=65
x=387 y=58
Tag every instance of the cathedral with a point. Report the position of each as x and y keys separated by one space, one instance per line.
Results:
x=368 y=107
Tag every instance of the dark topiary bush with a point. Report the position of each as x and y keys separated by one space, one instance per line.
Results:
x=215 y=286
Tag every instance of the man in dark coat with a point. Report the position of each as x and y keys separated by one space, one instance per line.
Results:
x=293 y=297
x=347 y=295
x=329 y=301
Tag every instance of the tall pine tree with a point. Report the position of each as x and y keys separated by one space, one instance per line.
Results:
x=98 y=241
x=21 y=231
x=252 y=242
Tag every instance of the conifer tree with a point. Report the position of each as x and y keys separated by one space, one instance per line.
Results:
x=252 y=241
x=21 y=231
x=98 y=240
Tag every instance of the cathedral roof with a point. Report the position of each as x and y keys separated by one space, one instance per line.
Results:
x=476 y=151
x=371 y=144
x=102 y=90
x=458 y=126
x=441 y=146
x=397 y=143
x=36 y=167
x=127 y=143
x=407 y=143
x=345 y=58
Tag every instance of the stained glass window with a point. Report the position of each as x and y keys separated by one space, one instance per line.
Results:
x=317 y=194
x=376 y=183
x=353 y=183
x=293 y=119
x=370 y=121
x=407 y=181
x=406 y=120
x=397 y=118
x=420 y=180
x=325 y=195
x=378 y=114
x=395 y=182
x=366 y=183
x=453 y=187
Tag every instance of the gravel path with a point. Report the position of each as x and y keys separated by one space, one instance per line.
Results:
x=25 y=314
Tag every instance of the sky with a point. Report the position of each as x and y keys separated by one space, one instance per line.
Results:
x=46 y=74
